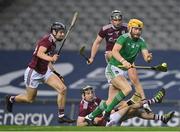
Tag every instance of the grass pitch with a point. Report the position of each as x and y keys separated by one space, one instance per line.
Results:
x=75 y=128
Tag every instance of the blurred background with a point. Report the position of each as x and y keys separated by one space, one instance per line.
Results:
x=23 y=22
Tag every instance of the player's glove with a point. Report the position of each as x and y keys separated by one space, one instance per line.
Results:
x=59 y=75
x=146 y=106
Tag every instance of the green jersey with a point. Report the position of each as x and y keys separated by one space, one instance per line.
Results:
x=130 y=48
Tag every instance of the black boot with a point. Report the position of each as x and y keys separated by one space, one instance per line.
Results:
x=65 y=119
x=8 y=104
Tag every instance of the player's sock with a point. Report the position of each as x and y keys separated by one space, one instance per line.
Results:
x=114 y=119
x=99 y=109
x=12 y=99
x=158 y=97
x=120 y=96
x=151 y=101
x=61 y=112
x=159 y=117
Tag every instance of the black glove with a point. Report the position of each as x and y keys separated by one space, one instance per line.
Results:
x=59 y=75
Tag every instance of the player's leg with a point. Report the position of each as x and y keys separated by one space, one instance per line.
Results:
x=103 y=105
x=55 y=82
x=31 y=83
x=124 y=88
x=111 y=94
x=134 y=110
x=157 y=98
x=117 y=78
x=116 y=116
x=136 y=103
x=133 y=76
x=151 y=116
x=27 y=97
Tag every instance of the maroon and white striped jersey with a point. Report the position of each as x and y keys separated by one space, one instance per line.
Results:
x=86 y=107
x=38 y=64
x=111 y=34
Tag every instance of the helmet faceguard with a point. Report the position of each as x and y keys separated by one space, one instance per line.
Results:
x=116 y=18
x=86 y=88
x=57 y=26
x=116 y=14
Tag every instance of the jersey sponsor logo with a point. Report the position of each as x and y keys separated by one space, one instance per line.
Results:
x=110 y=34
x=112 y=40
x=133 y=45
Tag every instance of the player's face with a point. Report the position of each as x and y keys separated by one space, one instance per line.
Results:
x=116 y=22
x=60 y=35
x=89 y=95
x=136 y=32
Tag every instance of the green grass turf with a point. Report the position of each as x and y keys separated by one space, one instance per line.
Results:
x=75 y=128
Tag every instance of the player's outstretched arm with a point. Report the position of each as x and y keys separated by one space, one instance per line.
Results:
x=95 y=48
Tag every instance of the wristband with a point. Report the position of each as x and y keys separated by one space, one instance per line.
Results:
x=122 y=60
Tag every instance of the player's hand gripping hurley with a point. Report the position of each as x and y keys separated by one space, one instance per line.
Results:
x=68 y=31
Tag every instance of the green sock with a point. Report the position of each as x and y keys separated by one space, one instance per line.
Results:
x=120 y=96
x=99 y=109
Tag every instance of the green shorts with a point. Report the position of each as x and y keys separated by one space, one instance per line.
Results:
x=112 y=71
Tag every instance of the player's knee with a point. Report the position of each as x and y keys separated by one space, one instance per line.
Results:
x=30 y=100
x=128 y=90
x=62 y=89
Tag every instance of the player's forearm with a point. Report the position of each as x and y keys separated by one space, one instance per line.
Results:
x=94 y=49
x=95 y=46
x=44 y=56
x=117 y=56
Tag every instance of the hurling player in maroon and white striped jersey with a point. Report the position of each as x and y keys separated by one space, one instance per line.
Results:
x=89 y=103
x=40 y=70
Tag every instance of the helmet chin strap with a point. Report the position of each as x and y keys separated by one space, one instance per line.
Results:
x=130 y=30
x=55 y=37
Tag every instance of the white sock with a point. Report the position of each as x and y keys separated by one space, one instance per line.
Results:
x=114 y=119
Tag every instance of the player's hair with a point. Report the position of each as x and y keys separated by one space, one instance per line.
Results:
x=57 y=26
x=116 y=14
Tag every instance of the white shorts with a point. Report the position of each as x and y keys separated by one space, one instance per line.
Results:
x=33 y=79
x=112 y=71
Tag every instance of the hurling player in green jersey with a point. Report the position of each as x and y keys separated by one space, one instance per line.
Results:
x=125 y=51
